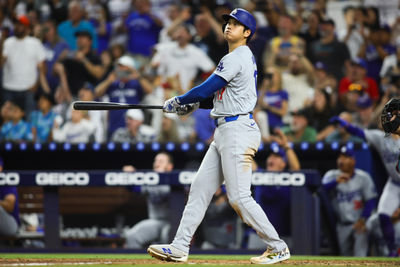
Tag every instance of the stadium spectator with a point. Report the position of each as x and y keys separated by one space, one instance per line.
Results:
x=276 y=199
x=390 y=71
x=353 y=196
x=298 y=81
x=181 y=58
x=169 y=129
x=56 y=50
x=76 y=23
x=76 y=130
x=125 y=84
x=177 y=15
x=353 y=34
x=311 y=33
x=58 y=10
x=281 y=47
x=97 y=117
x=156 y=228
x=204 y=126
x=209 y=36
x=273 y=102
x=42 y=120
x=324 y=80
x=100 y=20
x=299 y=130
x=357 y=82
x=341 y=135
x=17 y=129
x=82 y=65
x=329 y=50
x=23 y=65
x=321 y=110
x=143 y=29
x=375 y=48
x=363 y=116
x=134 y=131
x=6 y=112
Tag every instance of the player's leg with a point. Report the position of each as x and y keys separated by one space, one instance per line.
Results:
x=241 y=141
x=360 y=244
x=388 y=203
x=345 y=239
x=144 y=232
x=205 y=184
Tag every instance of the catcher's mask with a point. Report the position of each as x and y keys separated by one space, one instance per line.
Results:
x=391 y=109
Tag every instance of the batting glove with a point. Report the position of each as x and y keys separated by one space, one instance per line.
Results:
x=171 y=104
x=187 y=109
x=338 y=120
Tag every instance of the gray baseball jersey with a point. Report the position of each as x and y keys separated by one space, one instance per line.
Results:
x=348 y=198
x=239 y=96
x=229 y=157
x=389 y=150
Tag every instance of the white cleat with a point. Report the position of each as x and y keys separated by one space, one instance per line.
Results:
x=269 y=257
x=167 y=253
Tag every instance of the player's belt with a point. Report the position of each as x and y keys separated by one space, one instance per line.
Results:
x=228 y=119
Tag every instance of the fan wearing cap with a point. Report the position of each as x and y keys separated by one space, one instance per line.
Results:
x=333 y=53
x=364 y=115
x=22 y=61
x=17 y=129
x=134 y=131
x=181 y=58
x=353 y=195
x=358 y=81
x=125 y=84
x=322 y=78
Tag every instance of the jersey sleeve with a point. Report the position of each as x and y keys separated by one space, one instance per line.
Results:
x=375 y=138
x=329 y=177
x=228 y=67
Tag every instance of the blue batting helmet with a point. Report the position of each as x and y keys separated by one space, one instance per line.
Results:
x=244 y=17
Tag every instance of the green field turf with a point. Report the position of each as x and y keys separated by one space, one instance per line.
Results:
x=214 y=260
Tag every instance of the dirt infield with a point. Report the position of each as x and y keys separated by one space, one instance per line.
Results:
x=104 y=261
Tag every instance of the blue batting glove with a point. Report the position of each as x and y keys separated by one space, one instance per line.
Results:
x=338 y=120
x=171 y=104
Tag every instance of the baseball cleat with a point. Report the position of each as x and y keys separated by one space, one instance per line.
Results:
x=167 y=253
x=270 y=257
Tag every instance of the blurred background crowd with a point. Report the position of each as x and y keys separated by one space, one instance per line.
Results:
x=316 y=59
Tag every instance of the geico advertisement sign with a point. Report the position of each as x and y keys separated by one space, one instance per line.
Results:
x=260 y=178
x=62 y=178
x=132 y=178
x=278 y=178
x=9 y=178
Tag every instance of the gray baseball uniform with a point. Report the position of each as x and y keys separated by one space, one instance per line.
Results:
x=348 y=199
x=373 y=227
x=230 y=155
x=389 y=150
x=156 y=227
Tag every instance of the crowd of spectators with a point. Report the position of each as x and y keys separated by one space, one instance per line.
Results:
x=316 y=60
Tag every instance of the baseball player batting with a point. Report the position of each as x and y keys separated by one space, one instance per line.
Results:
x=232 y=88
x=388 y=146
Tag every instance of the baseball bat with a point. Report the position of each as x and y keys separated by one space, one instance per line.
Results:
x=93 y=105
